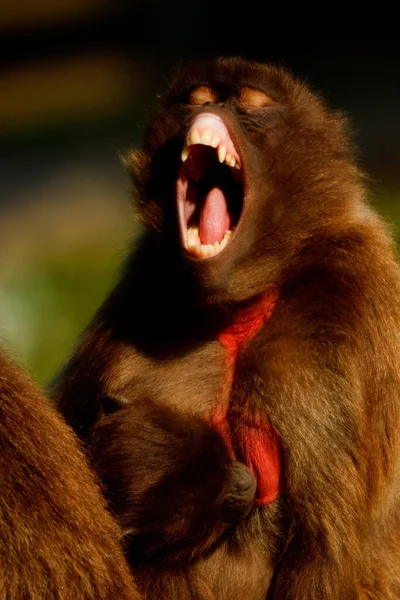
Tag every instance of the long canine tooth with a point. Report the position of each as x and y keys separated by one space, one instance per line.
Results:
x=192 y=235
x=215 y=141
x=185 y=154
x=221 y=154
x=194 y=137
x=206 y=137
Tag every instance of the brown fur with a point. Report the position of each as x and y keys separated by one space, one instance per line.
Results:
x=324 y=370
x=168 y=459
x=57 y=542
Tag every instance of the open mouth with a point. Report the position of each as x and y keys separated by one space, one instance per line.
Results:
x=210 y=187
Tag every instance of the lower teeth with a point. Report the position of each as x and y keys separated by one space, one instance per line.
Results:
x=196 y=248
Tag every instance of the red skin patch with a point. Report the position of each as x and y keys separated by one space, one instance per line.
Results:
x=257 y=442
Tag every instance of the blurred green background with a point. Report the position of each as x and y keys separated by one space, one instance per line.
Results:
x=78 y=80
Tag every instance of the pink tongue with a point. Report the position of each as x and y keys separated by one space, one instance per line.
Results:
x=214 y=218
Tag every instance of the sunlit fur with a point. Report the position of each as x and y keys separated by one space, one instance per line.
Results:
x=56 y=539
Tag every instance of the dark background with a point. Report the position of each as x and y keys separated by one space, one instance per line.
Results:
x=78 y=81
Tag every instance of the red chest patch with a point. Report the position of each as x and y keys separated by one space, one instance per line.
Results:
x=256 y=443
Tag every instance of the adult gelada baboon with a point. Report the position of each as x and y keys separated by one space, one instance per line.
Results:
x=264 y=299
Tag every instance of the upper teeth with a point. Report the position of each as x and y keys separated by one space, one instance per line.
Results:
x=208 y=139
x=208 y=130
